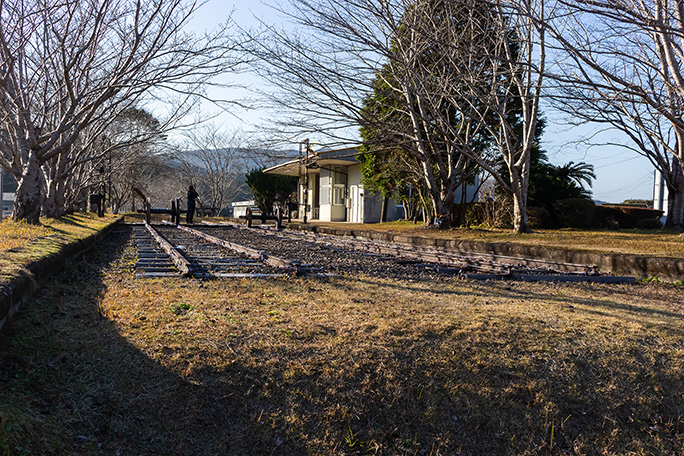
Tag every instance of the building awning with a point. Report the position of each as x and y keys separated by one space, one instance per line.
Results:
x=290 y=168
x=247 y=203
x=314 y=162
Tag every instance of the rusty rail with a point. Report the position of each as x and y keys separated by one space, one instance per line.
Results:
x=481 y=261
x=182 y=264
x=267 y=258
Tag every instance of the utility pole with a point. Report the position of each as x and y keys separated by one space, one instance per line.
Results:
x=305 y=197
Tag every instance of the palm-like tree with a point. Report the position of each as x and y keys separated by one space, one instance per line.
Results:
x=580 y=173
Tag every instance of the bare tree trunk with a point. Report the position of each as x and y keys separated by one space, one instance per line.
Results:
x=27 y=196
x=54 y=204
x=383 y=211
x=521 y=222
x=520 y=185
x=675 y=200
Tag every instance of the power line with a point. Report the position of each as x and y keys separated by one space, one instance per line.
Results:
x=631 y=185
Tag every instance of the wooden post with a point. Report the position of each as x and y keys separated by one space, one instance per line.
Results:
x=249 y=217
x=279 y=218
x=178 y=212
x=148 y=211
x=173 y=212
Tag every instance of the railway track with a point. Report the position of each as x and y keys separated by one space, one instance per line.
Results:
x=465 y=264
x=471 y=261
x=167 y=251
x=230 y=250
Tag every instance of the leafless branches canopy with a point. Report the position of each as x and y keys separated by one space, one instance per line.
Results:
x=451 y=80
x=623 y=66
x=68 y=68
x=215 y=162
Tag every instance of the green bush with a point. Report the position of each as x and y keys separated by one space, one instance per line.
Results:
x=474 y=214
x=607 y=217
x=629 y=216
x=574 y=212
x=626 y=217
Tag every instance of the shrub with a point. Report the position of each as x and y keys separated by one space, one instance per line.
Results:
x=649 y=224
x=607 y=217
x=539 y=217
x=474 y=213
x=467 y=214
x=496 y=213
x=629 y=216
x=574 y=212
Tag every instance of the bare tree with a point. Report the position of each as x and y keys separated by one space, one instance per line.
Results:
x=515 y=93
x=443 y=66
x=73 y=65
x=624 y=67
x=215 y=162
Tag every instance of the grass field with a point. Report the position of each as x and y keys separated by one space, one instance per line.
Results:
x=103 y=363
x=15 y=235
x=21 y=243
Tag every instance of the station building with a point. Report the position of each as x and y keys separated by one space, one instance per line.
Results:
x=330 y=188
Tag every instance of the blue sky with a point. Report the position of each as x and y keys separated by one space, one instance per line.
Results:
x=621 y=174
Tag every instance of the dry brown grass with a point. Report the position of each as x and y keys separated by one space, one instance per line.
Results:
x=26 y=243
x=15 y=235
x=102 y=363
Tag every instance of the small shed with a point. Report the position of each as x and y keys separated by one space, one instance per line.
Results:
x=240 y=208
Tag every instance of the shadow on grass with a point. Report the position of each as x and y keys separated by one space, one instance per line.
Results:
x=601 y=306
x=503 y=289
x=75 y=383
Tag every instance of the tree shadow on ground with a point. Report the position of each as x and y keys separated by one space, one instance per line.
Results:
x=74 y=383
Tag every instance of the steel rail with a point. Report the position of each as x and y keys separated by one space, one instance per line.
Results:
x=271 y=260
x=181 y=263
x=481 y=261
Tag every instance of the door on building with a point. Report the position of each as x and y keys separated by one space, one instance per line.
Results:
x=316 y=190
x=356 y=204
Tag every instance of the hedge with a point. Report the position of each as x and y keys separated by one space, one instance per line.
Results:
x=569 y=213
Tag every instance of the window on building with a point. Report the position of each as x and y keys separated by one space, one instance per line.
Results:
x=339 y=194
x=325 y=195
x=339 y=186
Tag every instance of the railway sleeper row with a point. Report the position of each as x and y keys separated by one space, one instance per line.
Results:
x=197 y=253
x=470 y=261
x=152 y=261
x=168 y=254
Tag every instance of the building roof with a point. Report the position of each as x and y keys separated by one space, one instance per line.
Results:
x=243 y=203
x=313 y=162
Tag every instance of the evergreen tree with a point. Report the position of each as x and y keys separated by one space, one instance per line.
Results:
x=270 y=189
